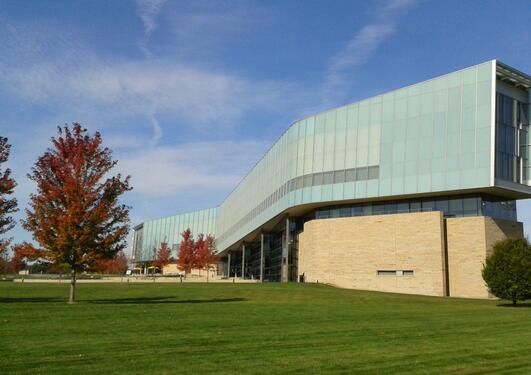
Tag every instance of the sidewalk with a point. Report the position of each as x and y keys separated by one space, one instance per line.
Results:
x=137 y=279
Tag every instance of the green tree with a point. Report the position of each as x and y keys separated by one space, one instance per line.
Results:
x=507 y=271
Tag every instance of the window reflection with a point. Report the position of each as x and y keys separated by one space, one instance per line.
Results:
x=455 y=206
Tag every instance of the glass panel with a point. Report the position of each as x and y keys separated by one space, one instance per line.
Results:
x=328 y=178
x=339 y=177
x=350 y=175
x=317 y=179
x=373 y=173
x=362 y=174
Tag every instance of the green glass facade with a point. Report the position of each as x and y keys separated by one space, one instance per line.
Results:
x=432 y=139
x=148 y=236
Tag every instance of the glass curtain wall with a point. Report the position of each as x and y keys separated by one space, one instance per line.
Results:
x=512 y=139
x=457 y=206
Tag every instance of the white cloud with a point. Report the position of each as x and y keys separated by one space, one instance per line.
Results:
x=359 y=49
x=148 y=11
x=205 y=166
x=204 y=98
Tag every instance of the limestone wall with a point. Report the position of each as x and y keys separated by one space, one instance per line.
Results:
x=348 y=252
x=470 y=240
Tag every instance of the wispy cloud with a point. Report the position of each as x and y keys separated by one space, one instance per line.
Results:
x=148 y=11
x=201 y=97
x=204 y=166
x=360 y=48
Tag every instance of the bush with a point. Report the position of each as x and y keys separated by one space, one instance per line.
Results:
x=507 y=271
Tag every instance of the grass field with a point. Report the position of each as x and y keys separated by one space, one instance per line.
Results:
x=252 y=328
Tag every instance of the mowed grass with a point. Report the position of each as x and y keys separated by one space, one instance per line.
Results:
x=252 y=328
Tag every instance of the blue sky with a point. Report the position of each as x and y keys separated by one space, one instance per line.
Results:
x=190 y=94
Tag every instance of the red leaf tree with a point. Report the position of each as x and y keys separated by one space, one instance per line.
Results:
x=23 y=253
x=7 y=206
x=206 y=253
x=187 y=252
x=117 y=265
x=163 y=256
x=200 y=252
x=75 y=214
x=210 y=259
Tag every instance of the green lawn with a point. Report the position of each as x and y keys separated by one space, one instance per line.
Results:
x=253 y=328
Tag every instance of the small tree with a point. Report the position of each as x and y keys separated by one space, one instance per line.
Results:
x=507 y=271
x=209 y=255
x=187 y=252
x=199 y=252
x=75 y=216
x=7 y=206
x=163 y=256
x=116 y=265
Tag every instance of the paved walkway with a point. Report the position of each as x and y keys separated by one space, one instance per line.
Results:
x=136 y=279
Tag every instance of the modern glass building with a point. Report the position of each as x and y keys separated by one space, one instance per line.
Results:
x=457 y=145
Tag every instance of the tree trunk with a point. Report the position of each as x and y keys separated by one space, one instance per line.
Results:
x=208 y=272
x=514 y=302
x=72 y=298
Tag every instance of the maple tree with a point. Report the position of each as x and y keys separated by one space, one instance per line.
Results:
x=116 y=265
x=163 y=256
x=76 y=216
x=210 y=257
x=24 y=252
x=199 y=252
x=7 y=185
x=187 y=252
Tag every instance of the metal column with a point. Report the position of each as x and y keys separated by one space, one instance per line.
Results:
x=228 y=265
x=243 y=261
x=261 y=257
x=284 y=268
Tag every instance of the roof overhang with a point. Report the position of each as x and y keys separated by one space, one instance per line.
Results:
x=513 y=76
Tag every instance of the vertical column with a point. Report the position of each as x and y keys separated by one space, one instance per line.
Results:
x=284 y=275
x=261 y=257
x=228 y=265
x=243 y=261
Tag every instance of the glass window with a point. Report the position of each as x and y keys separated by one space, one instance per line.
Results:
x=402 y=207
x=415 y=206
x=386 y=273
x=362 y=174
x=441 y=205
x=292 y=185
x=470 y=206
x=367 y=209
x=339 y=177
x=378 y=208
x=323 y=213
x=373 y=172
x=307 y=181
x=334 y=212
x=328 y=178
x=357 y=210
x=298 y=182
x=345 y=212
x=317 y=179
x=428 y=205
x=390 y=207
x=455 y=206
x=350 y=175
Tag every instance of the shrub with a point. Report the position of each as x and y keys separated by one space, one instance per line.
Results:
x=507 y=271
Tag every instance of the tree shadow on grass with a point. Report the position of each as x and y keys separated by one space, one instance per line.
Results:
x=30 y=299
x=518 y=305
x=161 y=300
